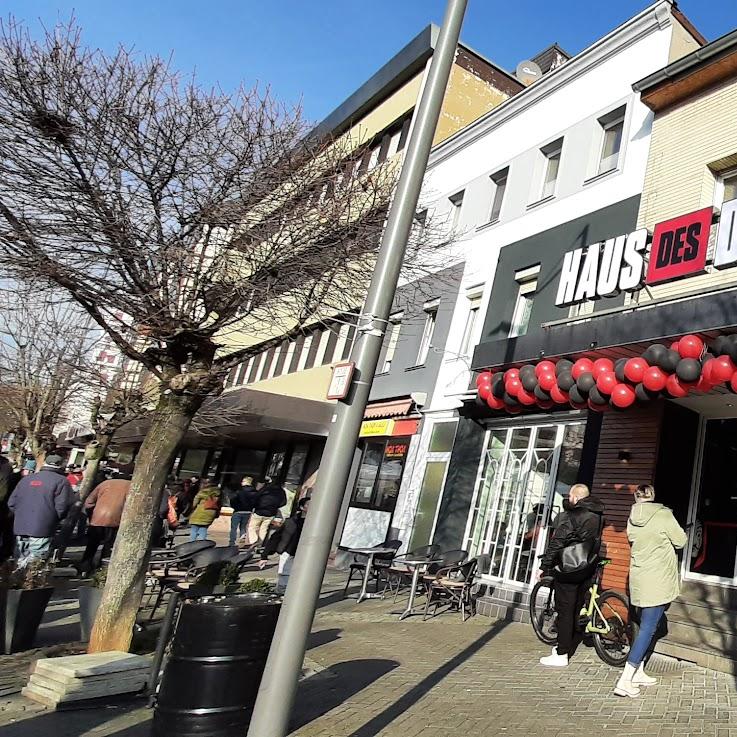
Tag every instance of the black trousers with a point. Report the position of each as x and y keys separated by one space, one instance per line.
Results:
x=569 y=599
x=97 y=536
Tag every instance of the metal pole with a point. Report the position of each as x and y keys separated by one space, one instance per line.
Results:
x=279 y=684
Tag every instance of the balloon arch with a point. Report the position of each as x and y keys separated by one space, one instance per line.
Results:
x=688 y=365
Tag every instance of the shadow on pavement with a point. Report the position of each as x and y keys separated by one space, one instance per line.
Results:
x=400 y=706
x=322 y=692
x=323 y=637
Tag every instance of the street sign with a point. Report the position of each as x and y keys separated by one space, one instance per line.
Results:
x=341 y=380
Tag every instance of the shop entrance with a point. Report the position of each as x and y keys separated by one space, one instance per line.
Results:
x=526 y=474
x=713 y=538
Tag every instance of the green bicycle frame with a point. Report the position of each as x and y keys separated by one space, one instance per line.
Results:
x=588 y=612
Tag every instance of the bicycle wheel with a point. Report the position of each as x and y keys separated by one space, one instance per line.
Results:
x=542 y=611
x=613 y=647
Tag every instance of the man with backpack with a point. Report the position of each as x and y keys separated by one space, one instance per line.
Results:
x=570 y=558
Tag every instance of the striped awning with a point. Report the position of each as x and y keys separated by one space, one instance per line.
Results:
x=392 y=408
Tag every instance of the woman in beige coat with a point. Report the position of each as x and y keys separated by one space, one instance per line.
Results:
x=654 y=536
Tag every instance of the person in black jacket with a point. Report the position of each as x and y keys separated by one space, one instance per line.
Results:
x=284 y=541
x=581 y=520
x=242 y=502
x=266 y=506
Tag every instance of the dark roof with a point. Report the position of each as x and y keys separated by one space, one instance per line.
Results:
x=550 y=57
x=398 y=70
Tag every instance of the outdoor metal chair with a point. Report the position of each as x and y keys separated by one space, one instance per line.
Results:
x=381 y=564
x=444 y=559
x=453 y=586
x=399 y=574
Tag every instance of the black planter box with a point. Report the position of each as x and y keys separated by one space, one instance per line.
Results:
x=89 y=601
x=21 y=612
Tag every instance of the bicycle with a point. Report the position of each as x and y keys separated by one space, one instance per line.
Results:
x=605 y=617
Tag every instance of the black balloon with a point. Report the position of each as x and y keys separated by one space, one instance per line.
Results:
x=731 y=347
x=619 y=369
x=654 y=354
x=527 y=369
x=585 y=383
x=563 y=365
x=645 y=395
x=688 y=369
x=669 y=361
x=707 y=357
x=720 y=346
x=596 y=397
x=576 y=395
x=541 y=394
x=497 y=385
x=509 y=399
x=566 y=381
x=529 y=381
x=480 y=402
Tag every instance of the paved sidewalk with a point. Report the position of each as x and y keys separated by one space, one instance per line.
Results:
x=374 y=676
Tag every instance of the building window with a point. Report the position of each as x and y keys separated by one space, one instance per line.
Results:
x=395 y=325
x=474 y=306
x=612 y=127
x=431 y=314
x=726 y=187
x=456 y=203
x=551 y=154
x=499 y=183
x=526 y=288
x=420 y=224
x=380 y=474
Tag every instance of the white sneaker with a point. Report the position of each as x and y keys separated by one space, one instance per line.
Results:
x=554 y=660
x=625 y=686
x=641 y=678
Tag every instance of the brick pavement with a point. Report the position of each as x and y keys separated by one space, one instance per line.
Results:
x=375 y=676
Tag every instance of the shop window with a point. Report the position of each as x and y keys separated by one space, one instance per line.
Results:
x=395 y=325
x=443 y=434
x=431 y=315
x=474 y=307
x=551 y=155
x=193 y=463
x=456 y=204
x=725 y=187
x=499 y=185
x=380 y=474
x=612 y=128
x=526 y=288
x=297 y=464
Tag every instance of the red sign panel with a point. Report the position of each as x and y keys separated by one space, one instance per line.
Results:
x=405 y=427
x=679 y=247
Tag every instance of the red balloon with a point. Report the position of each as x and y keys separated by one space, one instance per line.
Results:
x=513 y=386
x=606 y=382
x=578 y=405
x=674 y=346
x=704 y=385
x=513 y=409
x=485 y=391
x=623 y=395
x=601 y=365
x=483 y=378
x=676 y=387
x=546 y=404
x=635 y=369
x=511 y=374
x=526 y=398
x=722 y=368
x=558 y=395
x=690 y=346
x=544 y=367
x=733 y=382
x=654 y=379
x=547 y=381
x=582 y=366
x=707 y=373
x=495 y=402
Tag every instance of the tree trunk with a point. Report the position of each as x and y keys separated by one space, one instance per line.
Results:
x=126 y=575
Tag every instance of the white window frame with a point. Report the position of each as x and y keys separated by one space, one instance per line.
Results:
x=472 y=316
x=456 y=205
x=549 y=152
x=616 y=117
x=428 y=331
x=719 y=178
x=526 y=285
x=395 y=327
x=494 y=178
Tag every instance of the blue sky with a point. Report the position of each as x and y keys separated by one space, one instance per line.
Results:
x=321 y=51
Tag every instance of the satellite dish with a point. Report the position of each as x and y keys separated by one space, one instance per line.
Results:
x=528 y=72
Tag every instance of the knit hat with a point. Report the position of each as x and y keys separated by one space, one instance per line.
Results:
x=54 y=461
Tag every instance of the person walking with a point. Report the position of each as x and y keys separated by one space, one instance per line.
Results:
x=266 y=506
x=581 y=521
x=654 y=536
x=242 y=502
x=39 y=502
x=284 y=541
x=8 y=480
x=104 y=506
x=205 y=510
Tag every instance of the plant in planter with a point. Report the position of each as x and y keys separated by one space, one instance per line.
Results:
x=24 y=594
x=89 y=600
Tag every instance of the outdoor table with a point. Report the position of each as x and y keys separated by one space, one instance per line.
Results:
x=416 y=564
x=369 y=553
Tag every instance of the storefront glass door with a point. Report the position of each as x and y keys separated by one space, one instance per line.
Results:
x=527 y=471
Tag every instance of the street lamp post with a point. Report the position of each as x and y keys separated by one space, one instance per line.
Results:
x=279 y=683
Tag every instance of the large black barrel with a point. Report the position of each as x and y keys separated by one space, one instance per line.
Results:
x=217 y=658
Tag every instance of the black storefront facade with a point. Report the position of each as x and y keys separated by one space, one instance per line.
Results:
x=509 y=472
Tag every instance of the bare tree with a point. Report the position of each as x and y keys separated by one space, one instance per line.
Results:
x=47 y=367
x=190 y=224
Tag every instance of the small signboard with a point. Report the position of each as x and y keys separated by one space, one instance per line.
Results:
x=372 y=428
x=341 y=380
